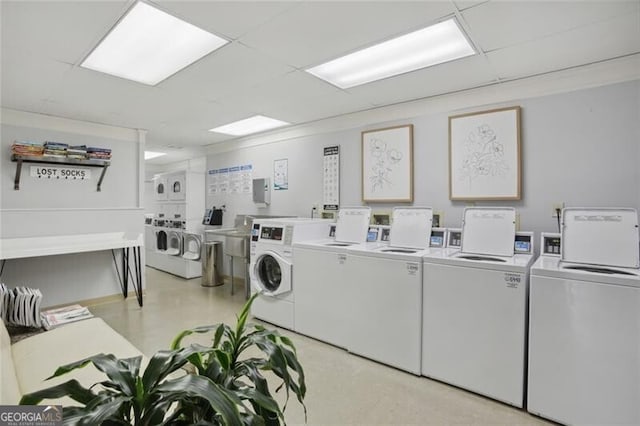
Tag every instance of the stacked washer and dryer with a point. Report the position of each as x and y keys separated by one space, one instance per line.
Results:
x=584 y=326
x=177 y=229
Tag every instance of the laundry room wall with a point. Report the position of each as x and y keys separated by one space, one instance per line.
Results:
x=51 y=208
x=579 y=148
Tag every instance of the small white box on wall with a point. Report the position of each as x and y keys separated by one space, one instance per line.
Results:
x=261 y=192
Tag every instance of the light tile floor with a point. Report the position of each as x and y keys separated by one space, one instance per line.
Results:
x=342 y=388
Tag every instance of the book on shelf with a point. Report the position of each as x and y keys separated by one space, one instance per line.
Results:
x=54 y=317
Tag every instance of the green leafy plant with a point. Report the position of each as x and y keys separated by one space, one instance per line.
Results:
x=227 y=364
x=225 y=387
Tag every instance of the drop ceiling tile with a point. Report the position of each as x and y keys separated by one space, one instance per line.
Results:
x=224 y=72
x=462 y=5
x=316 y=32
x=94 y=96
x=295 y=87
x=28 y=80
x=318 y=107
x=62 y=30
x=461 y=74
x=230 y=19
x=496 y=25
x=587 y=44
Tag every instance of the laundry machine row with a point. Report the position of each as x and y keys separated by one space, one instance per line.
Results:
x=174 y=249
x=582 y=321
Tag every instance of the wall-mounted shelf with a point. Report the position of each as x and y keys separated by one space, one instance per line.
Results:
x=49 y=159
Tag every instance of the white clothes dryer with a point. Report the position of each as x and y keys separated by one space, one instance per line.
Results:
x=584 y=321
x=384 y=291
x=475 y=308
x=321 y=302
x=160 y=188
x=271 y=266
x=177 y=186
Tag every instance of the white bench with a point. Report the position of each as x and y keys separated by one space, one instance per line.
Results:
x=26 y=364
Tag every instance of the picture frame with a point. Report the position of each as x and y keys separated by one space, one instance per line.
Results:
x=281 y=174
x=485 y=161
x=387 y=165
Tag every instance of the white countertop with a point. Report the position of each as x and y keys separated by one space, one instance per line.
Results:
x=15 y=248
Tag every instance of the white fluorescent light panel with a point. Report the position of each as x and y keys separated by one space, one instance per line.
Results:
x=429 y=46
x=255 y=124
x=148 y=155
x=149 y=45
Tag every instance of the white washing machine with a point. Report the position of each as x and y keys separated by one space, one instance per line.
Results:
x=475 y=308
x=271 y=267
x=321 y=302
x=584 y=322
x=384 y=290
x=192 y=246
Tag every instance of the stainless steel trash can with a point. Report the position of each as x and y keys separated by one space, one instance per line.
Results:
x=212 y=264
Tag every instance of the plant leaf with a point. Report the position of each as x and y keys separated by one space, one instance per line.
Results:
x=244 y=313
x=73 y=389
x=100 y=410
x=264 y=401
x=221 y=400
x=176 y=344
x=166 y=362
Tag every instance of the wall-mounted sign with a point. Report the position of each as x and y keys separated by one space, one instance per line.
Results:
x=65 y=173
x=230 y=180
x=281 y=174
x=331 y=178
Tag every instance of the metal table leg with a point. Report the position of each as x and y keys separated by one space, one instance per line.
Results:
x=136 y=275
x=231 y=269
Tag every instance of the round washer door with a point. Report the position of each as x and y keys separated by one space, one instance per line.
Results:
x=272 y=274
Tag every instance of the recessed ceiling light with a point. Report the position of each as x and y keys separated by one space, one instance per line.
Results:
x=429 y=46
x=148 y=155
x=149 y=45
x=255 y=124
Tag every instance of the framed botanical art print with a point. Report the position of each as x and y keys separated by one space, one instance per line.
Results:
x=485 y=155
x=387 y=165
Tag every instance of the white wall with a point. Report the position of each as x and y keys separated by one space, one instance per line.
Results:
x=49 y=208
x=579 y=147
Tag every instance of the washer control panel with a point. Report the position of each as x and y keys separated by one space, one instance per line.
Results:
x=455 y=238
x=550 y=243
x=438 y=237
x=523 y=243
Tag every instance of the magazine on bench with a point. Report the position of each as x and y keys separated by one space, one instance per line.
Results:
x=55 y=317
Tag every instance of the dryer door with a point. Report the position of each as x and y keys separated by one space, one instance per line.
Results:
x=174 y=243
x=176 y=187
x=191 y=247
x=271 y=274
x=160 y=185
